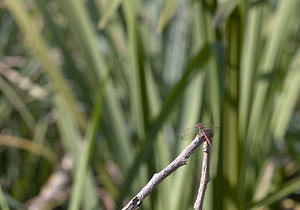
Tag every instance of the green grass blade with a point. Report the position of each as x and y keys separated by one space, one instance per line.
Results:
x=162 y=154
x=249 y=60
x=223 y=12
x=68 y=129
x=3 y=203
x=38 y=45
x=167 y=13
x=86 y=86
x=230 y=141
x=138 y=98
x=287 y=189
x=71 y=140
x=86 y=38
x=28 y=145
x=262 y=101
x=82 y=168
x=288 y=98
x=284 y=13
x=251 y=48
x=39 y=138
x=12 y=96
x=109 y=12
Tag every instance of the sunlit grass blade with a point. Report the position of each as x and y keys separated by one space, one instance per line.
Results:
x=109 y=12
x=268 y=63
x=223 y=12
x=3 y=203
x=17 y=142
x=251 y=47
x=136 y=72
x=167 y=13
x=288 y=98
x=258 y=134
x=285 y=190
x=38 y=45
x=13 y=203
x=86 y=86
x=86 y=38
x=249 y=62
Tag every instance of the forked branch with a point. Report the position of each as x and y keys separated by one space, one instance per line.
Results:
x=157 y=178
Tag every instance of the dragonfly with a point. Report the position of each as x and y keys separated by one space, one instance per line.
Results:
x=199 y=129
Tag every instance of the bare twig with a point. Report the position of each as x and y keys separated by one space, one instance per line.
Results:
x=204 y=177
x=181 y=160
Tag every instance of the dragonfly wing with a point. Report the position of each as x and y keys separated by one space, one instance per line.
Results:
x=187 y=133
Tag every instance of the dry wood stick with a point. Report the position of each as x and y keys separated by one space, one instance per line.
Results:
x=181 y=160
x=205 y=177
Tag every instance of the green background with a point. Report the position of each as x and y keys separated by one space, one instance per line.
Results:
x=112 y=83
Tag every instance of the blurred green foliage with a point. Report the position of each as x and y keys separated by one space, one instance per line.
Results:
x=111 y=83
